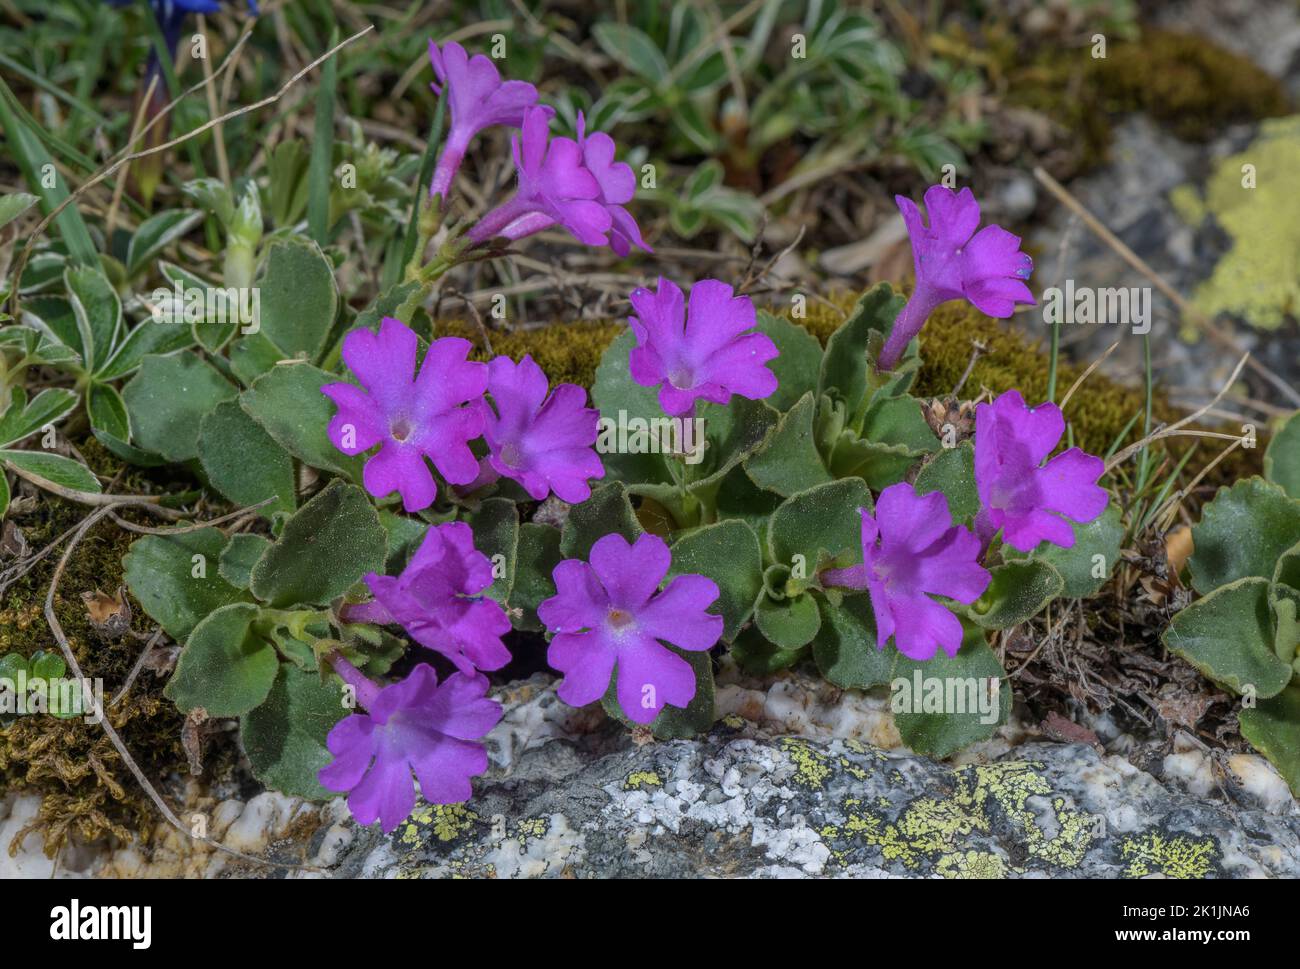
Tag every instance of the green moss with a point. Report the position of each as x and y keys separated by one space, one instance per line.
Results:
x=1185 y=81
x=85 y=789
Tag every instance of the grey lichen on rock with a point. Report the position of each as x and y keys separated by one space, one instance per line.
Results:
x=580 y=799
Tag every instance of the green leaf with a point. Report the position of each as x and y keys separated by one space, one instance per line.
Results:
x=111 y=425
x=405 y=533
x=98 y=312
x=845 y=646
x=4 y=496
x=168 y=399
x=155 y=234
x=239 y=556
x=159 y=336
x=226 y=667
x=738 y=497
x=287 y=186
x=1228 y=636
x=496 y=533
x=14 y=205
x=23 y=418
x=952 y=472
x=53 y=468
x=1273 y=728
x=319 y=173
x=299 y=299
x=252 y=356
x=789 y=461
x=1017 y=593
x=820 y=524
x=176 y=578
x=633 y=48
x=1282 y=458
x=1285 y=603
x=209 y=314
x=845 y=368
x=243 y=462
x=323 y=550
x=25 y=147
x=608 y=510
x=538 y=555
x=728 y=553
x=960 y=687
x=798 y=364
x=675 y=723
x=53 y=317
x=759 y=657
x=1242 y=532
x=1077 y=564
x=288 y=403
x=284 y=737
x=788 y=623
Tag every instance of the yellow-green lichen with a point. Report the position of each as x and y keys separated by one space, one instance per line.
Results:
x=971 y=864
x=450 y=821
x=640 y=779
x=933 y=829
x=1252 y=197
x=1178 y=856
x=531 y=828
x=811 y=768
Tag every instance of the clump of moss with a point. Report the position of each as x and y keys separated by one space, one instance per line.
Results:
x=567 y=352
x=84 y=787
x=1186 y=82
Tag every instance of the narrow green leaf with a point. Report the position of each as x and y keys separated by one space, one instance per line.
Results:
x=320 y=173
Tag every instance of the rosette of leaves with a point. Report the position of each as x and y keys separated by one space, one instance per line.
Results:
x=779 y=484
x=242 y=400
x=253 y=616
x=1244 y=631
x=85 y=333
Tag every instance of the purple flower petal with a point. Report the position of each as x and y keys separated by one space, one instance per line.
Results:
x=952 y=261
x=651 y=676
x=438 y=599
x=435 y=414
x=543 y=443
x=411 y=725
x=610 y=613
x=704 y=351
x=1017 y=493
x=910 y=551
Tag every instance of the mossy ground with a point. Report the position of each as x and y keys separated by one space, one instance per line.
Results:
x=1184 y=81
x=86 y=790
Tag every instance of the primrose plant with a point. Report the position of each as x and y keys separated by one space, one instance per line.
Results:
x=1244 y=631
x=401 y=561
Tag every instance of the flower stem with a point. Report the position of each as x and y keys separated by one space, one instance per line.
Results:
x=907 y=325
x=367 y=692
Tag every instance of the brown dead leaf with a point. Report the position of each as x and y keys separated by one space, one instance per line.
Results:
x=1178 y=548
x=110 y=616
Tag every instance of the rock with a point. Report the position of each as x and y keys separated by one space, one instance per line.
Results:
x=570 y=794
